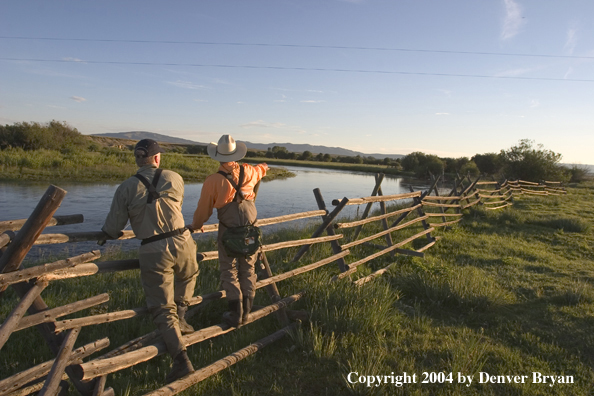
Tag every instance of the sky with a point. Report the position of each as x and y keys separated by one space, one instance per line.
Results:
x=452 y=78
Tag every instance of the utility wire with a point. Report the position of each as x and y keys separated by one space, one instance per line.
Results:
x=294 y=68
x=343 y=47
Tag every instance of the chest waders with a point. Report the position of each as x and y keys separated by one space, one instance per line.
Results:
x=153 y=195
x=240 y=240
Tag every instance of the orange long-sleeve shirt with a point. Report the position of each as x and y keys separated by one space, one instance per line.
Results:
x=218 y=192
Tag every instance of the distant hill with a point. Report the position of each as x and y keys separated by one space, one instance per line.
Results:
x=296 y=148
x=139 y=135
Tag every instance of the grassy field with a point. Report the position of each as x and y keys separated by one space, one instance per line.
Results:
x=108 y=164
x=507 y=293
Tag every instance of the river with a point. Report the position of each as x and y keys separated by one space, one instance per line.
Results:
x=275 y=198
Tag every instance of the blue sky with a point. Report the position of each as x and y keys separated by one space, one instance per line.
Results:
x=452 y=78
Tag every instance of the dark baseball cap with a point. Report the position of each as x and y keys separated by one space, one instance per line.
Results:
x=147 y=148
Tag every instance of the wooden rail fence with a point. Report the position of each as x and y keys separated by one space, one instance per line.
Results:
x=407 y=223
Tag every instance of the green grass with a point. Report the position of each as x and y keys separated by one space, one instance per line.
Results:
x=108 y=164
x=506 y=292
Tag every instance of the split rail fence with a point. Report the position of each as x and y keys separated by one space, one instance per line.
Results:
x=406 y=223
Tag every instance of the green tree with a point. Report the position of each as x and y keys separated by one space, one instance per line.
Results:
x=532 y=163
x=489 y=163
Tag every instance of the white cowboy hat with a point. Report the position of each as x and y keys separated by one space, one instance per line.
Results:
x=227 y=150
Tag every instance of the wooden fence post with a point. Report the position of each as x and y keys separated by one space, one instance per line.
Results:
x=378 y=183
x=326 y=225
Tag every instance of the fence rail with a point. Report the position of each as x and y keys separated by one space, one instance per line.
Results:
x=416 y=209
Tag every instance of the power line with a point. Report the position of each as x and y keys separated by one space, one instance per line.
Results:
x=343 y=47
x=295 y=68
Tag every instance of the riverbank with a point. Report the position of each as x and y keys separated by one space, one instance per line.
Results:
x=508 y=293
x=388 y=170
x=107 y=165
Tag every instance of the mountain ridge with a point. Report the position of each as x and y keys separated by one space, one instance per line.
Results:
x=292 y=147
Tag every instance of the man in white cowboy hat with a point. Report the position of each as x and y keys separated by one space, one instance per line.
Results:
x=152 y=200
x=231 y=192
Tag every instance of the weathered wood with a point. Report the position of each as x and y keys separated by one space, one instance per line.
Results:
x=471 y=204
x=444 y=224
x=101 y=318
x=383 y=211
x=289 y=217
x=12 y=320
x=382 y=233
x=113 y=316
x=272 y=289
x=330 y=230
x=6 y=237
x=427 y=246
x=388 y=250
x=441 y=198
x=399 y=251
x=51 y=314
x=214 y=254
x=16 y=381
x=533 y=192
x=17 y=250
x=100 y=367
x=441 y=205
x=55 y=375
x=420 y=211
x=376 y=218
x=199 y=375
x=301 y=270
x=15 y=225
x=376 y=189
x=384 y=198
x=326 y=222
x=85 y=269
x=99 y=386
x=32 y=388
x=498 y=207
x=528 y=182
x=368 y=278
x=70 y=237
x=485 y=183
x=442 y=214
x=34 y=272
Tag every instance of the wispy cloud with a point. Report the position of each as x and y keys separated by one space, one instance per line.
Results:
x=568 y=73
x=263 y=124
x=513 y=22
x=78 y=99
x=185 y=84
x=571 y=40
x=74 y=60
x=534 y=104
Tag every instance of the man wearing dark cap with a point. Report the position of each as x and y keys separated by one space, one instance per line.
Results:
x=152 y=201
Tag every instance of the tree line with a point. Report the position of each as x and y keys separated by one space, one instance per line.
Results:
x=526 y=160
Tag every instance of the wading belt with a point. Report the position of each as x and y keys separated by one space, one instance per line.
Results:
x=169 y=234
x=152 y=190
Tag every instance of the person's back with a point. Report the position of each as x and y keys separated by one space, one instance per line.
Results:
x=220 y=191
x=152 y=200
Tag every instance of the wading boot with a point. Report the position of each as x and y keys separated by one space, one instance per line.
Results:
x=248 y=303
x=180 y=368
x=184 y=326
x=234 y=315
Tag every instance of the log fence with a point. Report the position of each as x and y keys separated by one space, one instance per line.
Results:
x=404 y=222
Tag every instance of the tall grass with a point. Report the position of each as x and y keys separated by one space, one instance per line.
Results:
x=107 y=164
x=500 y=293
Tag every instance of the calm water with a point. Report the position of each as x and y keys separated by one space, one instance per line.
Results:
x=275 y=198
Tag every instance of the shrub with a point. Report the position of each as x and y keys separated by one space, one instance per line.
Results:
x=527 y=162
